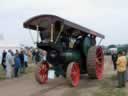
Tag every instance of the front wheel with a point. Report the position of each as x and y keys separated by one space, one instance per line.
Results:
x=73 y=73
x=41 y=73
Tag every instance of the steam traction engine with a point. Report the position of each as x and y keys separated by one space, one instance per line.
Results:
x=71 y=49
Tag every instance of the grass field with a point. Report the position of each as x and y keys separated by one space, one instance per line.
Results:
x=2 y=73
x=107 y=88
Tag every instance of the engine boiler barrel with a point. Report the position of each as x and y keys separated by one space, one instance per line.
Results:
x=71 y=55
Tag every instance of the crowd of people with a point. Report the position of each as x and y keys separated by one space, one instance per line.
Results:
x=15 y=63
x=120 y=63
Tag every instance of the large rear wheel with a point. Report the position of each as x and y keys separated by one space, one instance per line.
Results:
x=73 y=73
x=41 y=73
x=95 y=62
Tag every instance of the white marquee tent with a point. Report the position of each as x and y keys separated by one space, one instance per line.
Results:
x=9 y=45
x=4 y=45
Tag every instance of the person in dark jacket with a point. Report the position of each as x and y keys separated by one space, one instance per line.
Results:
x=4 y=59
x=114 y=59
x=37 y=56
x=17 y=64
x=21 y=55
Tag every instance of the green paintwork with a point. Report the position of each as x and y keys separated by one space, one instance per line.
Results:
x=71 y=55
x=86 y=45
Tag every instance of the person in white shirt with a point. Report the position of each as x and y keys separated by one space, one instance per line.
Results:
x=26 y=60
x=9 y=63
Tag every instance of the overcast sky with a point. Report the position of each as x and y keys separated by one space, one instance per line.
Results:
x=109 y=17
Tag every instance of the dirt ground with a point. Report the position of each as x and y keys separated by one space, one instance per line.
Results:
x=27 y=86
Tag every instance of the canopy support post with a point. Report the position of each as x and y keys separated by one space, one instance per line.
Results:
x=31 y=36
x=62 y=27
x=52 y=28
x=37 y=28
x=100 y=41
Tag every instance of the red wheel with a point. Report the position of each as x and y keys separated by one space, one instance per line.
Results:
x=95 y=62
x=42 y=72
x=99 y=62
x=73 y=74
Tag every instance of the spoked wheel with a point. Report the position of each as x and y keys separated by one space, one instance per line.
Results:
x=42 y=72
x=73 y=74
x=99 y=62
x=95 y=62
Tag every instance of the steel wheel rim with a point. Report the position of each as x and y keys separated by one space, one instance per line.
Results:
x=99 y=62
x=75 y=74
x=43 y=72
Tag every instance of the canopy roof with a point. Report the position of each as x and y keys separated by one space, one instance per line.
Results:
x=34 y=21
